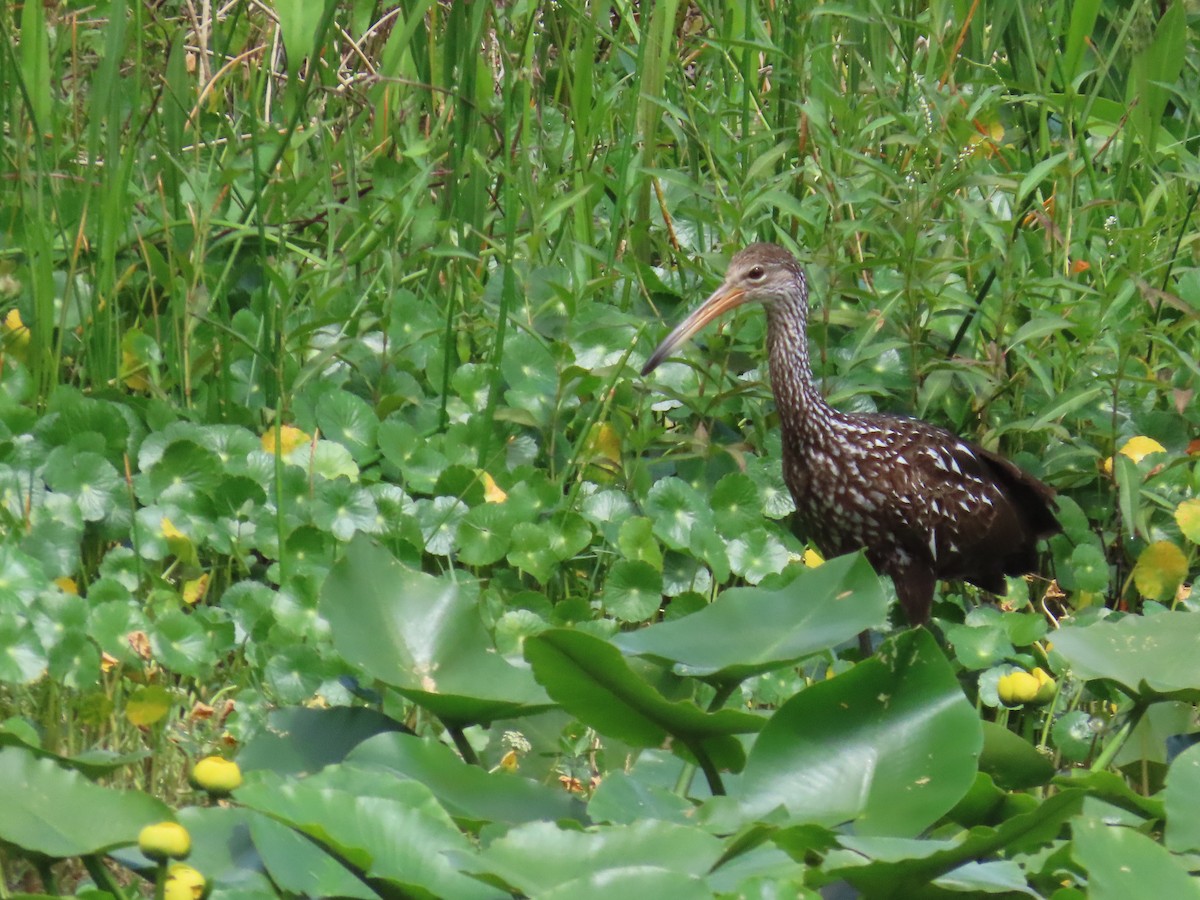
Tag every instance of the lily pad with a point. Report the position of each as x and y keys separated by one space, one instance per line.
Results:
x=591 y=680
x=1144 y=654
x=890 y=745
x=751 y=630
x=58 y=812
x=418 y=634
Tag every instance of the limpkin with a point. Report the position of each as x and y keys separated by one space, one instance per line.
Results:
x=920 y=501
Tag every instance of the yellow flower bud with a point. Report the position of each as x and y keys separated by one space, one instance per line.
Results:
x=183 y=883
x=1017 y=687
x=216 y=775
x=165 y=840
x=1046 y=685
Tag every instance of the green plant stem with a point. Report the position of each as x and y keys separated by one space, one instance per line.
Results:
x=711 y=775
x=101 y=876
x=683 y=783
x=464 y=746
x=160 y=880
x=45 y=868
x=1113 y=747
x=722 y=694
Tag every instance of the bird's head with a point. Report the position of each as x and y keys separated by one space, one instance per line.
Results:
x=763 y=272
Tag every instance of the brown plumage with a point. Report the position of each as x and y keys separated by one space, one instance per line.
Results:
x=922 y=502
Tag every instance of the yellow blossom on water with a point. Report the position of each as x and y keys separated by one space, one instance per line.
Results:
x=67 y=585
x=290 y=437
x=812 y=558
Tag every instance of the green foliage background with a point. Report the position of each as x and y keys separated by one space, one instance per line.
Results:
x=507 y=618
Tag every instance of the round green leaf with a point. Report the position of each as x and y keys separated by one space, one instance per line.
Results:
x=294 y=672
x=343 y=508
x=757 y=554
x=1090 y=568
x=89 y=479
x=735 y=504
x=349 y=420
x=530 y=550
x=439 y=519
x=180 y=643
x=676 y=510
x=636 y=542
x=186 y=473
x=890 y=745
x=484 y=534
x=632 y=591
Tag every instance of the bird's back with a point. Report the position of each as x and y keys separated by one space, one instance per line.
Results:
x=915 y=496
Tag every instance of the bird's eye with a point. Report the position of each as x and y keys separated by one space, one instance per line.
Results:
x=755 y=274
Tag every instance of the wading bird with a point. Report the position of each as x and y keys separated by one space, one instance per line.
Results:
x=923 y=503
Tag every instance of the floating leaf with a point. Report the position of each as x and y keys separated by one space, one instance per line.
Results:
x=890 y=745
x=299 y=740
x=538 y=857
x=590 y=679
x=391 y=828
x=1139 y=652
x=752 y=630
x=467 y=792
x=57 y=812
x=1182 y=799
x=1121 y=863
x=419 y=635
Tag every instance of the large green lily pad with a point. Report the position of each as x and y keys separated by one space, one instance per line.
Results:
x=750 y=630
x=418 y=634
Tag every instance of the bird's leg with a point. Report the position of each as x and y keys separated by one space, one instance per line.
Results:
x=914 y=587
x=864 y=644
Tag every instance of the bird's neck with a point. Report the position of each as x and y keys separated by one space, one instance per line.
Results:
x=804 y=415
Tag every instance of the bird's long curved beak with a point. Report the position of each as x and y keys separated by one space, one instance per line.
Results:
x=722 y=300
